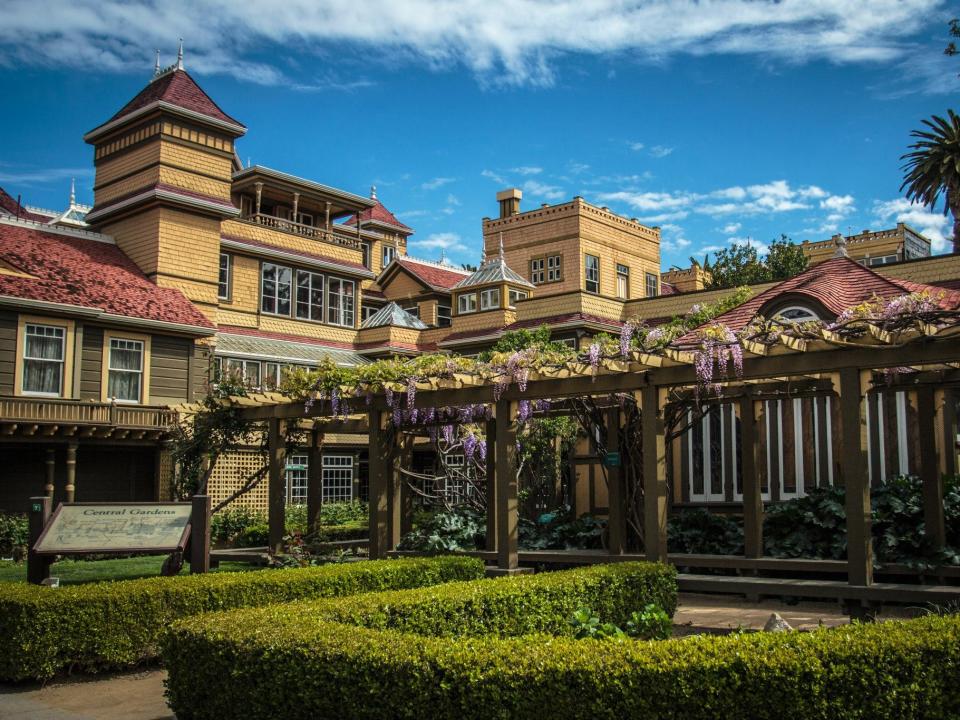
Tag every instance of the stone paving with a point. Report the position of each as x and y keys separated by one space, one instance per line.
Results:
x=139 y=695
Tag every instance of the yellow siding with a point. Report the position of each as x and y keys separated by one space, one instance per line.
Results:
x=934 y=270
x=110 y=169
x=195 y=183
x=189 y=246
x=143 y=179
x=402 y=287
x=245 y=290
x=138 y=238
x=182 y=156
x=492 y=319
x=287 y=241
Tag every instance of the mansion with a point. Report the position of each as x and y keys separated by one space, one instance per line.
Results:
x=190 y=264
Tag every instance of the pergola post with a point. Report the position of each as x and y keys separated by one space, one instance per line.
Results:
x=395 y=496
x=946 y=401
x=506 y=478
x=654 y=477
x=51 y=463
x=378 y=483
x=856 y=484
x=315 y=480
x=930 y=477
x=617 y=511
x=752 y=492
x=276 y=512
x=71 y=488
x=491 y=464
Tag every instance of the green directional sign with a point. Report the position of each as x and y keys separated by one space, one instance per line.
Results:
x=611 y=459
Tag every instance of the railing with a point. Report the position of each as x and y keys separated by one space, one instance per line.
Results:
x=333 y=237
x=85 y=413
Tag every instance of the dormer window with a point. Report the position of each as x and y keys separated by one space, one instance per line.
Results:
x=516 y=295
x=796 y=314
x=466 y=303
x=490 y=299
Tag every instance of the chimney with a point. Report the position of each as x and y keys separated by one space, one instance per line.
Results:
x=509 y=200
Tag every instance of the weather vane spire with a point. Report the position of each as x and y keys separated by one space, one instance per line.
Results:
x=73 y=191
x=180 y=56
x=156 y=65
x=501 y=249
x=373 y=192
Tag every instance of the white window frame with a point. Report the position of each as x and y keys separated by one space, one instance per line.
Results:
x=276 y=294
x=341 y=308
x=516 y=295
x=225 y=276
x=246 y=367
x=296 y=473
x=623 y=281
x=470 y=306
x=554 y=268
x=490 y=299
x=139 y=373
x=591 y=273
x=801 y=310
x=389 y=254
x=537 y=272
x=336 y=478
x=652 y=284
x=444 y=315
x=59 y=331
x=311 y=287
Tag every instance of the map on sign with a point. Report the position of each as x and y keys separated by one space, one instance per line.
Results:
x=115 y=527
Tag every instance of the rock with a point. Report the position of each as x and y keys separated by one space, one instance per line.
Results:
x=777 y=624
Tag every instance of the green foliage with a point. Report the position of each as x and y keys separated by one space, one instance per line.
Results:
x=697 y=315
x=701 y=532
x=932 y=167
x=560 y=530
x=353 y=530
x=741 y=264
x=115 y=624
x=14 y=533
x=523 y=339
x=447 y=531
x=545 y=444
x=342 y=513
x=587 y=626
x=652 y=623
x=253 y=536
x=228 y=524
x=309 y=660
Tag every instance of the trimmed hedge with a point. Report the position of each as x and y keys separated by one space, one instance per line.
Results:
x=227 y=666
x=241 y=663
x=110 y=624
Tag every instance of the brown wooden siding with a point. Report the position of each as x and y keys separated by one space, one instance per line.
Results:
x=8 y=351
x=91 y=363
x=168 y=370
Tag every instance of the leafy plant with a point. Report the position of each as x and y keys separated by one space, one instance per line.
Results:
x=586 y=625
x=701 y=532
x=14 y=534
x=228 y=524
x=651 y=623
x=560 y=530
x=343 y=513
x=459 y=529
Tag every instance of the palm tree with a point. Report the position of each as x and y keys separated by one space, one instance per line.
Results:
x=934 y=167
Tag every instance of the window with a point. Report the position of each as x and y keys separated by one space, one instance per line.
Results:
x=490 y=299
x=553 y=268
x=570 y=343
x=247 y=371
x=275 y=289
x=296 y=479
x=305 y=219
x=623 y=281
x=443 y=315
x=365 y=249
x=272 y=373
x=882 y=260
x=337 y=478
x=592 y=272
x=516 y=295
x=368 y=311
x=223 y=286
x=653 y=285
x=389 y=253
x=536 y=271
x=340 y=302
x=44 y=351
x=125 y=370
x=796 y=314
x=309 y=296
x=466 y=303
x=413 y=310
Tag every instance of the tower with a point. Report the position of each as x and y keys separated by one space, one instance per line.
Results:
x=164 y=164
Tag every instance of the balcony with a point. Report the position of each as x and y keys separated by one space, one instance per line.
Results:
x=57 y=418
x=335 y=236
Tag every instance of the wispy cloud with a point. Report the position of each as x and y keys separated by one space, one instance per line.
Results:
x=636 y=146
x=500 y=41
x=437 y=182
x=20 y=175
x=446 y=241
x=660 y=151
x=542 y=190
x=934 y=225
x=496 y=177
x=526 y=170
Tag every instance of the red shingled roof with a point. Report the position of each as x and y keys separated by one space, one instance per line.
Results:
x=177 y=88
x=87 y=273
x=381 y=214
x=433 y=275
x=837 y=284
x=9 y=204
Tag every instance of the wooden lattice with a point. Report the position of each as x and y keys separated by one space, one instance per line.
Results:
x=165 y=478
x=231 y=470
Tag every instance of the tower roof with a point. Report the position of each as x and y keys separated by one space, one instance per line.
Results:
x=494 y=270
x=393 y=314
x=379 y=214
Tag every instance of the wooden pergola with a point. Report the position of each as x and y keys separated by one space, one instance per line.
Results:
x=926 y=360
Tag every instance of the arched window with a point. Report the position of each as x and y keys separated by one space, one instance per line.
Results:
x=796 y=314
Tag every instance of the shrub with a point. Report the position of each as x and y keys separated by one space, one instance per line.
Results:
x=119 y=623
x=253 y=536
x=301 y=661
x=228 y=524
x=342 y=513
x=14 y=534
x=353 y=530
x=700 y=531
x=459 y=529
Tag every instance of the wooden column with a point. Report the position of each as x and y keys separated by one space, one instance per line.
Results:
x=200 y=534
x=51 y=463
x=38 y=566
x=378 y=471
x=326 y=223
x=276 y=512
x=395 y=484
x=296 y=206
x=491 y=463
x=616 y=494
x=948 y=431
x=654 y=478
x=853 y=464
x=71 y=487
x=930 y=477
x=506 y=501
x=259 y=188
x=752 y=492
x=315 y=480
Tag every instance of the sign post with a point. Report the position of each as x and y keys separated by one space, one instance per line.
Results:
x=38 y=566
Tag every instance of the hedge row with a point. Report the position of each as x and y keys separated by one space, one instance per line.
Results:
x=44 y=630
x=410 y=649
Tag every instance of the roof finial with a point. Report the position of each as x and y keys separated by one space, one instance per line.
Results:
x=501 y=249
x=443 y=256
x=156 y=65
x=840 y=243
x=73 y=191
x=373 y=192
x=180 y=56
x=483 y=252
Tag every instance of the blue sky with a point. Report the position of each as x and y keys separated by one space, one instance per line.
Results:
x=719 y=121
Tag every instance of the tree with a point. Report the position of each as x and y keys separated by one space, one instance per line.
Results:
x=933 y=167
x=741 y=264
x=951 y=48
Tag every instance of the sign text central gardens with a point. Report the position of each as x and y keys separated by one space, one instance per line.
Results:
x=106 y=527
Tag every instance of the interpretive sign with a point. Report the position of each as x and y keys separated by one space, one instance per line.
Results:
x=78 y=528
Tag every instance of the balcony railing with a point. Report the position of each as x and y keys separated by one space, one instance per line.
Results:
x=334 y=236
x=46 y=411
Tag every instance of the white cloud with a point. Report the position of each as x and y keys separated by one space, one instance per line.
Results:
x=636 y=146
x=491 y=175
x=527 y=170
x=934 y=225
x=441 y=241
x=731 y=228
x=17 y=175
x=453 y=200
x=437 y=182
x=542 y=190
x=660 y=151
x=501 y=41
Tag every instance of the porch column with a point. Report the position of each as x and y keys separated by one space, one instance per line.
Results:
x=259 y=188
x=752 y=492
x=296 y=206
x=853 y=464
x=276 y=512
x=326 y=223
x=506 y=501
x=377 y=469
x=491 y=465
x=71 y=487
x=315 y=480
x=946 y=401
x=930 y=477
x=616 y=494
x=654 y=477
x=51 y=463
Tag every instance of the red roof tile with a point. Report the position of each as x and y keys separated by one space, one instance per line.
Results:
x=668 y=288
x=87 y=273
x=177 y=88
x=433 y=275
x=9 y=204
x=256 y=332
x=379 y=213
